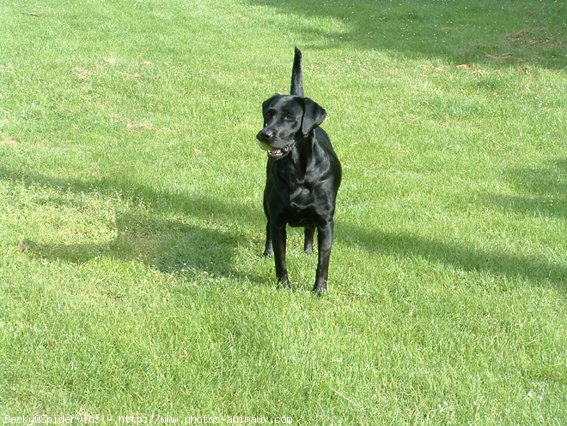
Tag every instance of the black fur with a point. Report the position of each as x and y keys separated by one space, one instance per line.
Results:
x=303 y=176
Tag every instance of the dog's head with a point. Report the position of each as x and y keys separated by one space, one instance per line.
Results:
x=287 y=120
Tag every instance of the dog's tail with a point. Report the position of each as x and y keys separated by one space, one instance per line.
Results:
x=296 y=75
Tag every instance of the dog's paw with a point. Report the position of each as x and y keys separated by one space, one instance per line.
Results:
x=320 y=289
x=284 y=284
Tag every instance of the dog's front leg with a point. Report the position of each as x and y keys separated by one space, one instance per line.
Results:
x=325 y=243
x=279 y=242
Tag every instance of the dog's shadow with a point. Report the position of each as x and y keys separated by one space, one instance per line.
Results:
x=150 y=236
x=164 y=245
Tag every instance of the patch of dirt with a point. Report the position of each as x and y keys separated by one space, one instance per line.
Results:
x=530 y=36
x=8 y=141
x=499 y=56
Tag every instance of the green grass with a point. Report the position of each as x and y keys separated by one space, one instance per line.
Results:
x=131 y=226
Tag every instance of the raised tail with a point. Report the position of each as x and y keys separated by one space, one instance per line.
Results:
x=297 y=75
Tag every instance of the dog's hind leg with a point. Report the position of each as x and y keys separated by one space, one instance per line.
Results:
x=308 y=242
x=268 y=248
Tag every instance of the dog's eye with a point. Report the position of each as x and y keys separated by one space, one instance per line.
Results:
x=289 y=117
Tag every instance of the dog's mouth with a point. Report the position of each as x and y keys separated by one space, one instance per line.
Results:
x=274 y=152
x=278 y=153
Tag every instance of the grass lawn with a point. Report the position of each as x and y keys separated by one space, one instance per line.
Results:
x=131 y=223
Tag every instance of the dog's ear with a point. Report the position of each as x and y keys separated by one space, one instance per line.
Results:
x=313 y=116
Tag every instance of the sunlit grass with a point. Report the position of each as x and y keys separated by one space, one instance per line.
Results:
x=131 y=279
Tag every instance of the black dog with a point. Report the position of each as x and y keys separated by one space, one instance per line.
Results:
x=303 y=176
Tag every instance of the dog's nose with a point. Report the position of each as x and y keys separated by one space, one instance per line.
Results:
x=265 y=135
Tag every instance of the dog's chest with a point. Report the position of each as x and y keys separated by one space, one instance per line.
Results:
x=297 y=196
x=300 y=187
x=301 y=197
x=301 y=208
x=304 y=205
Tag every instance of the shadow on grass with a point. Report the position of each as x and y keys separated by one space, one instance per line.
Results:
x=499 y=32
x=166 y=245
x=177 y=247
x=464 y=258
x=542 y=191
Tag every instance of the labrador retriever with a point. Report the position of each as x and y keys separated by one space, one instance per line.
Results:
x=303 y=176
